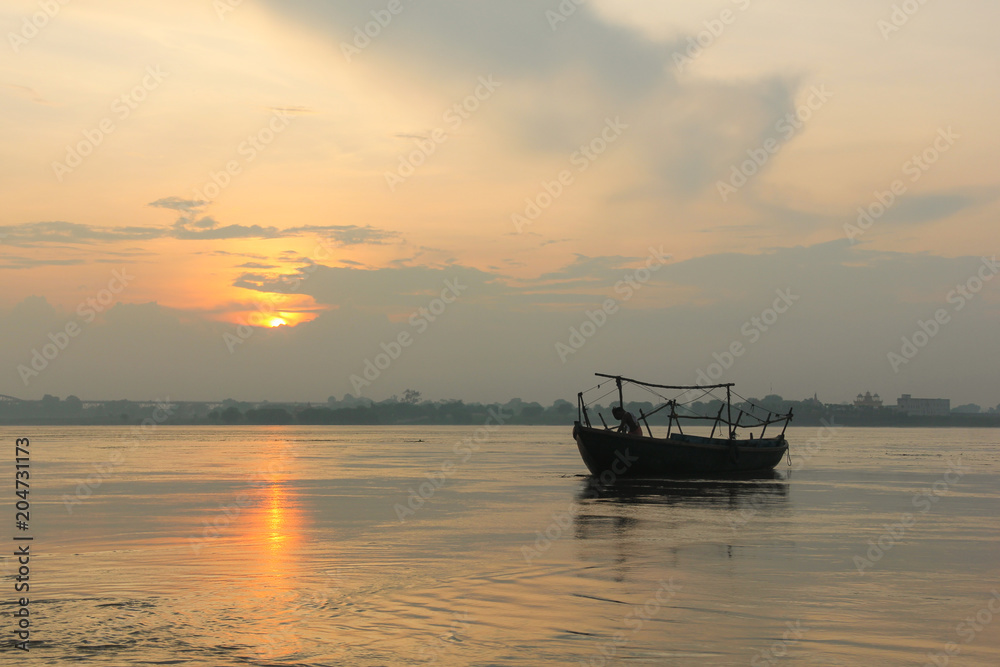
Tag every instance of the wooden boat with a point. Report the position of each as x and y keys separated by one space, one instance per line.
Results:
x=611 y=455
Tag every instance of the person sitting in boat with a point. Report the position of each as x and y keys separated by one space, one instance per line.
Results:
x=628 y=422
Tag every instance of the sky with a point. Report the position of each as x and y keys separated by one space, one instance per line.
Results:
x=290 y=200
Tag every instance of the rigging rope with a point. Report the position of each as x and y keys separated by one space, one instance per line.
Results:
x=748 y=407
x=588 y=404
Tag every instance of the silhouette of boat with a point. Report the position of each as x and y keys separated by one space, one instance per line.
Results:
x=611 y=455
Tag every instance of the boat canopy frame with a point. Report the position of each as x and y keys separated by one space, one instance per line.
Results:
x=733 y=426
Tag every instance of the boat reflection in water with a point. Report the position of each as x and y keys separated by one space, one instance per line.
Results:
x=729 y=493
x=634 y=523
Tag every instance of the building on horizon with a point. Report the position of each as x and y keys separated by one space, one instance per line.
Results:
x=924 y=407
x=868 y=401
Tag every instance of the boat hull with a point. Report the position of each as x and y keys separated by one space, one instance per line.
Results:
x=609 y=453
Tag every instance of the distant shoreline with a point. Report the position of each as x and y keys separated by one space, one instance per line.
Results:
x=411 y=411
x=955 y=421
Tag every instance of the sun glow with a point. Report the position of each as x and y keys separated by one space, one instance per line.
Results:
x=277 y=322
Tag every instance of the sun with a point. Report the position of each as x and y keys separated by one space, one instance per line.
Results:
x=276 y=322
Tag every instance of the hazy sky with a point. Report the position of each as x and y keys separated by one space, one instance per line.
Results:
x=499 y=198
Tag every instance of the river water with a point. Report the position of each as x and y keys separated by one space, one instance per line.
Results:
x=419 y=545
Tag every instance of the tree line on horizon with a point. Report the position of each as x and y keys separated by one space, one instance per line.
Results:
x=411 y=409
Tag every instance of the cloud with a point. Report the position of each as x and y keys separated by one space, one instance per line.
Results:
x=929 y=208
x=504 y=331
x=257 y=265
x=16 y=262
x=31 y=234
x=374 y=290
x=586 y=281
x=348 y=234
x=512 y=37
x=188 y=206
x=187 y=227
x=228 y=232
x=207 y=222
x=589 y=268
x=560 y=83
x=226 y=253
x=36 y=234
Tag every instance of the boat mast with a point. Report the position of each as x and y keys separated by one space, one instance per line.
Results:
x=786 y=423
x=621 y=400
x=715 y=424
x=729 y=410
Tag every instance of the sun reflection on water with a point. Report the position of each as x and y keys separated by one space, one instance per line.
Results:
x=277 y=515
x=274 y=527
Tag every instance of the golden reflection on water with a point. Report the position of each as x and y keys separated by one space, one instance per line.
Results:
x=274 y=523
x=269 y=547
x=276 y=517
x=259 y=525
